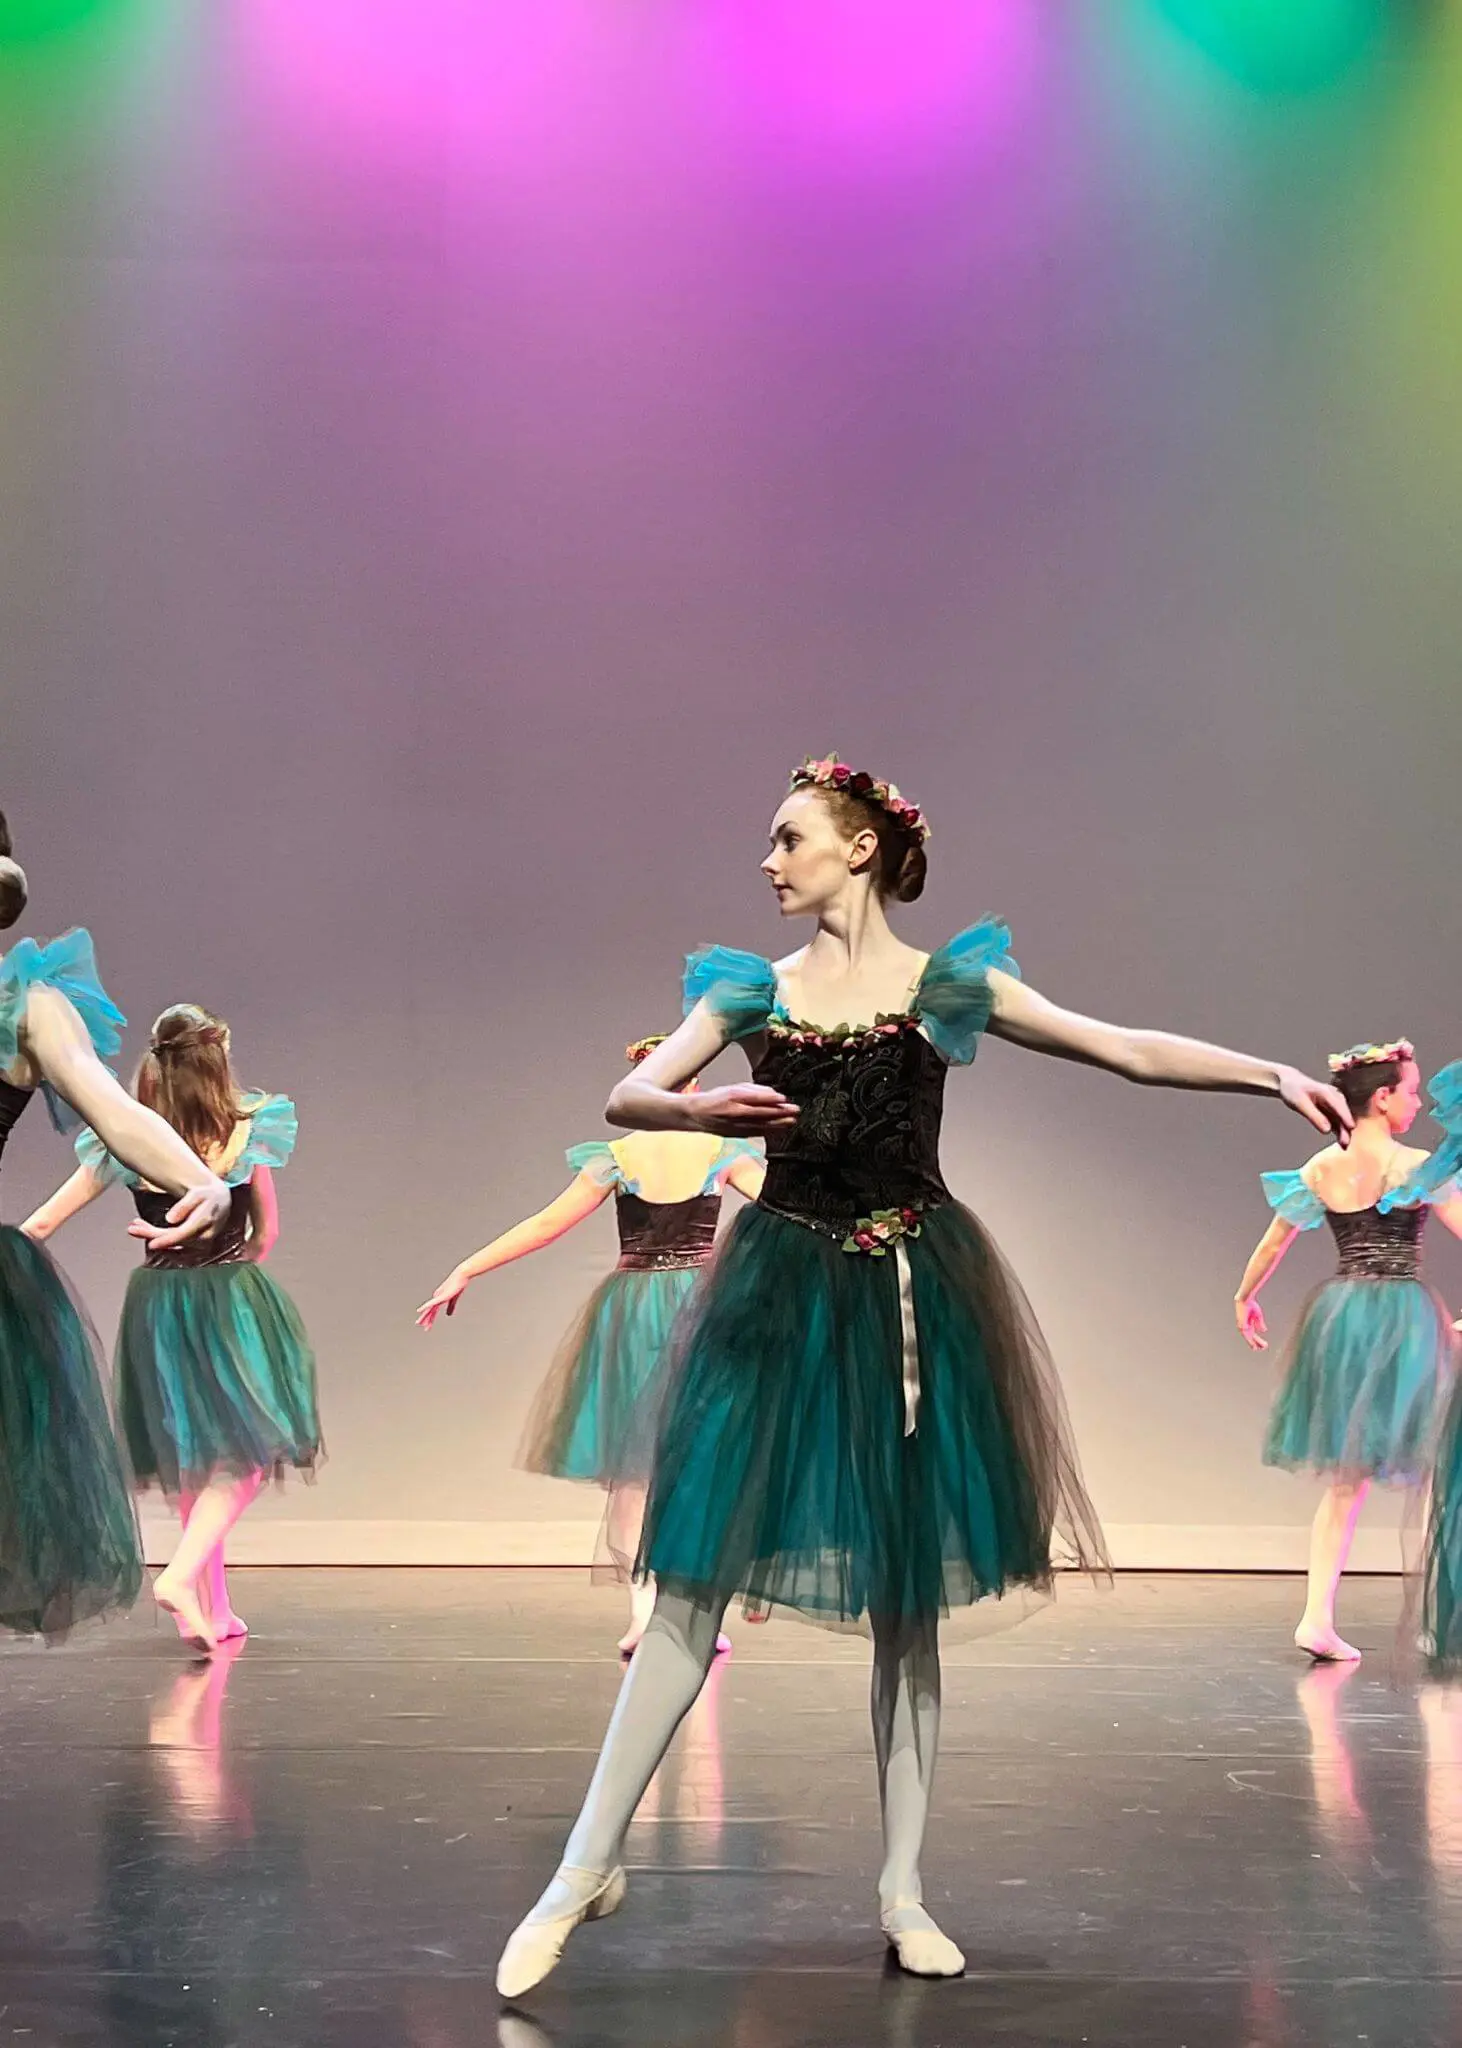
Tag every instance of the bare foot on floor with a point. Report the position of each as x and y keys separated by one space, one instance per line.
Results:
x=1325 y=1646
x=181 y=1602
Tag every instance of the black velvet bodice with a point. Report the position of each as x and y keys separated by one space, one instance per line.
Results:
x=228 y=1247
x=12 y=1107
x=1379 y=1247
x=663 y=1237
x=868 y=1135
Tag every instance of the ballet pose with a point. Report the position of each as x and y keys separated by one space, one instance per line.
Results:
x=589 y=1420
x=215 y=1376
x=863 y=1425
x=68 y=1534
x=1370 y=1363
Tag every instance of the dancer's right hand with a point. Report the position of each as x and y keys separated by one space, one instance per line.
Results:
x=195 y=1214
x=742 y=1111
x=446 y=1297
x=1252 y=1326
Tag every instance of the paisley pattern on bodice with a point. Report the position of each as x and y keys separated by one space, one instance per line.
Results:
x=1377 y=1245
x=665 y=1237
x=868 y=1135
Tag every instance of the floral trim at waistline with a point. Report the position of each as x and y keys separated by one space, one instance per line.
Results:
x=843 y=1037
x=870 y=1236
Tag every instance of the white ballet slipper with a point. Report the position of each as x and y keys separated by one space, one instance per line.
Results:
x=535 y=1947
x=920 y=1948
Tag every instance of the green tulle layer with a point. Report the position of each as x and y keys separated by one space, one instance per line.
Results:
x=783 y=1471
x=214 y=1375
x=588 y=1420
x=68 y=1536
x=1365 y=1381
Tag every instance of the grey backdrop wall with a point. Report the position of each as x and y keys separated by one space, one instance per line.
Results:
x=457 y=459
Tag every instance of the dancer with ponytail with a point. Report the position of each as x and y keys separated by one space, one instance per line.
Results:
x=68 y=1534
x=1370 y=1364
x=589 y=1420
x=863 y=1426
x=215 y=1375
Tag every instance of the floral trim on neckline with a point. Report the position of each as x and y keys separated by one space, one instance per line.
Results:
x=844 y=1037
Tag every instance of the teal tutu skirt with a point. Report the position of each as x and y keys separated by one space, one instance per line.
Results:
x=1442 y=1574
x=68 y=1536
x=589 y=1419
x=1365 y=1382
x=215 y=1375
x=783 y=1472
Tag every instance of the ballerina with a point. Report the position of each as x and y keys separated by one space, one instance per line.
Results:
x=69 y=1548
x=863 y=1425
x=589 y=1420
x=1370 y=1362
x=215 y=1375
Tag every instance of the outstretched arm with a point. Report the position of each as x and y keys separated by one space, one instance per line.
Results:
x=69 y=1200
x=57 y=1045
x=1158 y=1059
x=579 y=1199
x=647 y=1099
x=746 y=1176
x=1449 y=1213
x=1268 y=1252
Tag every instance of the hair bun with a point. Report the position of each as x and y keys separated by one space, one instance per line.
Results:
x=14 y=890
x=7 y=845
x=908 y=884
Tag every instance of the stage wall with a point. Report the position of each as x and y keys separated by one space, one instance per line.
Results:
x=457 y=458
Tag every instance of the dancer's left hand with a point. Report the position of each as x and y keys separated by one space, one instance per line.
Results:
x=1317 y=1102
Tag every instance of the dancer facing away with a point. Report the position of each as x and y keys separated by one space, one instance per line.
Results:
x=1369 y=1367
x=589 y=1421
x=68 y=1535
x=863 y=1424
x=215 y=1376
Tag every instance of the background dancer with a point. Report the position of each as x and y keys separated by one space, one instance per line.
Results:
x=215 y=1375
x=1369 y=1366
x=589 y=1421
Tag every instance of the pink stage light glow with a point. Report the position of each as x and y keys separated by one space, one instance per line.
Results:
x=868 y=76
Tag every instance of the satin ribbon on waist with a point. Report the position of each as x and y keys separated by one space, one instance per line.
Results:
x=909 y=1338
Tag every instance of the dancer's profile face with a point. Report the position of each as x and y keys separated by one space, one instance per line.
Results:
x=808 y=865
x=1402 y=1104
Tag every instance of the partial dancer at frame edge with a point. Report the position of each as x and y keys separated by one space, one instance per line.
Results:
x=69 y=1547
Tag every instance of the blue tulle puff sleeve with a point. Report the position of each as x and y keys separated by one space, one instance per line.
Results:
x=68 y=965
x=94 y=1155
x=1292 y=1200
x=954 y=996
x=596 y=1158
x=738 y=988
x=1436 y=1179
x=273 y=1132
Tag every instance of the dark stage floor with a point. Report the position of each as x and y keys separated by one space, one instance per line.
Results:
x=1154 y=1826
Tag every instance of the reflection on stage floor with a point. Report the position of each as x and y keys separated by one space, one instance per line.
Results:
x=1155 y=1824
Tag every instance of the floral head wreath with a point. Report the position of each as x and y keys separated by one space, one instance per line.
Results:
x=1372 y=1055
x=835 y=774
x=643 y=1047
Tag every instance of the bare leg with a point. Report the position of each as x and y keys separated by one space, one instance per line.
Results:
x=213 y=1513
x=227 y=1625
x=1331 y=1536
x=659 y=1689
x=906 y=1697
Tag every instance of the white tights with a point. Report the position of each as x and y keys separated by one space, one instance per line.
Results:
x=659 y=1689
